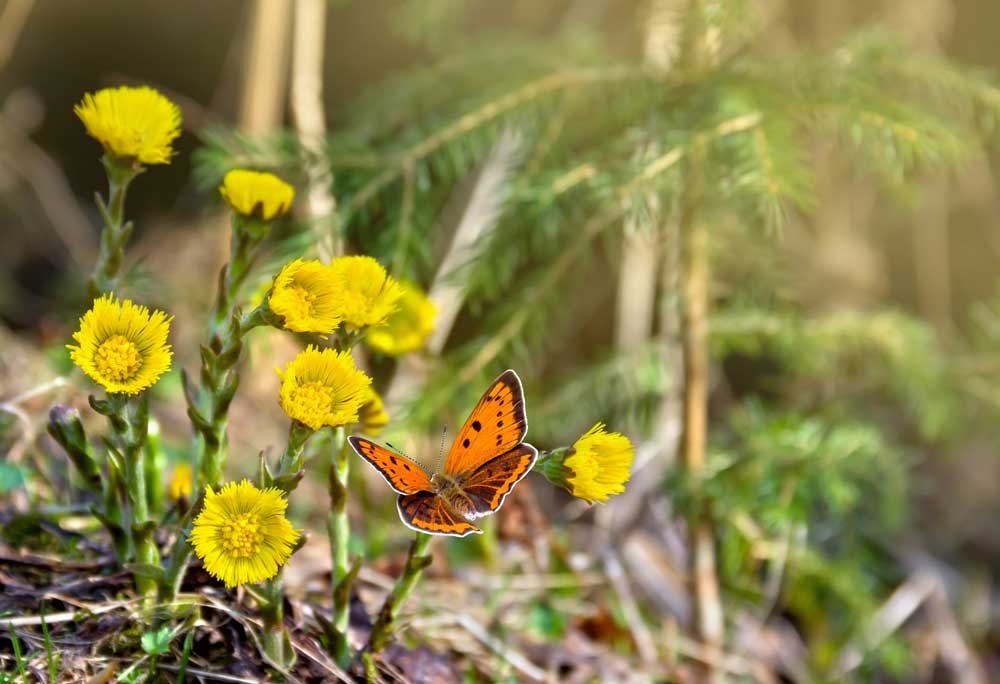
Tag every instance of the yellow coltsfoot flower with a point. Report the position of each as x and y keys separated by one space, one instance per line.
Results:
x=180 y=483
x=122 y=346
x=256 y=195
x=242 y=534
x=596 y=467
x=406 y=329
x=323 y=388
x=372 y=415
x=132 y=123
x=368 y=295
x=305 y=296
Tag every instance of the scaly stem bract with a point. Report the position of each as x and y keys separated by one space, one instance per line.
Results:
x=416 y=561
x=115 y=233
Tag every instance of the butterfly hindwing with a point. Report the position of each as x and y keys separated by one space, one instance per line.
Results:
x=488 y=486
x=402 y=474
x=496 y=425
x=427 y=512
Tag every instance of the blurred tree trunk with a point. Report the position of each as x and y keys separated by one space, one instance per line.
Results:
x=928 y=23
x=697 y=56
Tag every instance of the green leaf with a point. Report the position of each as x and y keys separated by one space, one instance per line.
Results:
x=157 y=642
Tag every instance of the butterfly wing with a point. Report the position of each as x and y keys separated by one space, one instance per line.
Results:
x=402 y=474
x=427 y=512
x=488 y=486
x=496 y=425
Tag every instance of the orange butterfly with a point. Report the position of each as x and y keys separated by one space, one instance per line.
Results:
x=483 y=465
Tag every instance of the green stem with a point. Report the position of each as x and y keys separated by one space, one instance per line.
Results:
x=291 y=465
x=272 y=613
x=416 y=561
x=339 y=531
x=130 y=424
x=155 y=464
x=180 y=554
x=115 y=233
x=114 y=517
x=209 y=405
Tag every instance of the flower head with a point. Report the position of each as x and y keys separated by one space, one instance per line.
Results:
x=132 y=123
x=122 y=347
x=255 y=194
x=598 y=465
x=242 y=535
x=368 y=295
x=180 y=482
x=321 y=388
x=305 y=296
x=408 y=327
x=372 y=415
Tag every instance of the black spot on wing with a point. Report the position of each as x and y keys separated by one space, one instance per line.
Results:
x=465 y=442
x=477 y=426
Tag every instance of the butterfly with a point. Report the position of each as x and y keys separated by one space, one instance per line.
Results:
x=484 y=463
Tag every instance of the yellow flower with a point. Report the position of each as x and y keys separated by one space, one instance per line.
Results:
x=132 y=123
x=122 y=347
x=242 y=535
x=256 y=194
x=599 y=466
x=372 y=415
x=323 y=388
x=368 y=295
x=305 y=296
x=408 y=328
x=180 y=482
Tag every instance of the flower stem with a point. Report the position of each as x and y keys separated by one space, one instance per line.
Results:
x=339 y=530
x=180 y=554
x=416 y=561
x=272 y=613
x=208 y=407
x=287 y=478
x=129 y=418
x=292 y=463
x=115 y=233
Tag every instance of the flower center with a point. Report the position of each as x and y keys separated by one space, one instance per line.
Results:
x=118 y=358
x=301 y=302
x=241 y=535
x=356 y=308
x=314 y=402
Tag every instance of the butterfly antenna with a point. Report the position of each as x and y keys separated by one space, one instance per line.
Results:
x=444 y=433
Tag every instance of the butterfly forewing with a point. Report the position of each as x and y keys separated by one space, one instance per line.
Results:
x=430 y=513
x=488 y=486
x=402 y=474
x=496 y=425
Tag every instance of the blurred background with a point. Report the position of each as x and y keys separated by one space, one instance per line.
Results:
x=854 y=391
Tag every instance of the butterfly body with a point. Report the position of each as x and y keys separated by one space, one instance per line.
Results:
x=486 y=460
x=450 y=489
